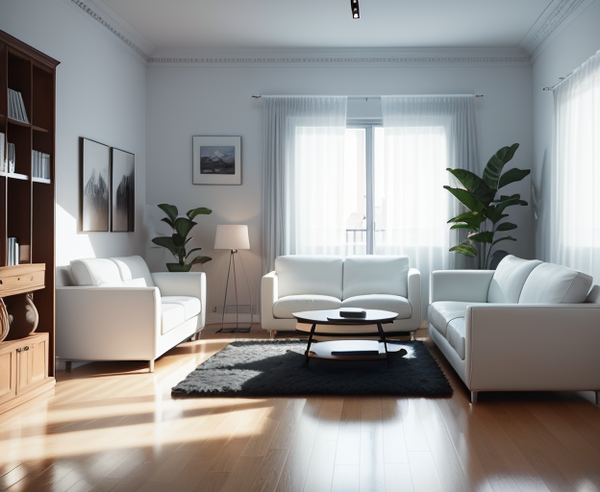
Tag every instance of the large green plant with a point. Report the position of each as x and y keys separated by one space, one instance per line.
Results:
x=176 y=243
x=485 y=211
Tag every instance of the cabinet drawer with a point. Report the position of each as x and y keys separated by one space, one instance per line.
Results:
x=21 y=279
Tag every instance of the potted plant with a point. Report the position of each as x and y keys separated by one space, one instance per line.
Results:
x=485 y=211
x=176 y=242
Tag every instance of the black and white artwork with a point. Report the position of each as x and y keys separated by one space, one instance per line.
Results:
x=217 y=160
x=95 y=186
x=123 y=191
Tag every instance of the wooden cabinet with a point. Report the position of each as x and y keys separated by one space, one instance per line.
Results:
x=27 y=199
x=24 y=370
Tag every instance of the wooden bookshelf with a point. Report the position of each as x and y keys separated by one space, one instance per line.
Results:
x=27 y=201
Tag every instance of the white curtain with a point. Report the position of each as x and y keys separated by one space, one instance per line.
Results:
x=303 y=151
x=575 y=237
x=423 y=135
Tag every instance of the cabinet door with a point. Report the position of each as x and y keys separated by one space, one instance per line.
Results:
x=33 y=365
x=8 y=374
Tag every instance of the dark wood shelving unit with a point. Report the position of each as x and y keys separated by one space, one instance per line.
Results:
x=27 y=201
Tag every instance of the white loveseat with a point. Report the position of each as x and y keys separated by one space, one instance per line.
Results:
x=115 y=309
x=306 y=283
x=529 y=325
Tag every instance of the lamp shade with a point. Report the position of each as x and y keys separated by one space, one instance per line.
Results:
x=232 y=237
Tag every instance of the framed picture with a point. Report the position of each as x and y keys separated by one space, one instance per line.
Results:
x=123 y=191
x=95 y=188
x=217 y=160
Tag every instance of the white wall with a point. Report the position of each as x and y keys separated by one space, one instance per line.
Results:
x=189 y=100
x=101 y=95
x=566 y=51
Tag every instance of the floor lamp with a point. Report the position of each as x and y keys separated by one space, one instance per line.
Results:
x=233 y=238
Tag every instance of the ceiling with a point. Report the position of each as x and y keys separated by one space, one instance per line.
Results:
x=311 y=24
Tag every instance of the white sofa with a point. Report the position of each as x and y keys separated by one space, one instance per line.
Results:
x=115 y=309
x=529 y=325
x=306 y=283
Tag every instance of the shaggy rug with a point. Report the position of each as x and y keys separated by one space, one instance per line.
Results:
x=267 y=368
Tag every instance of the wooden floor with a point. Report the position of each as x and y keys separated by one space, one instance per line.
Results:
x=114 y=426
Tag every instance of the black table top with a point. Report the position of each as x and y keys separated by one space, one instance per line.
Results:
x=332 y=317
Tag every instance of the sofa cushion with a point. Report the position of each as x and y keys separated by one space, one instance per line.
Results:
x=387 y=302
x=133 y=268
x=441 y=313
x=285 y=306
x=302 y=274
x=550 y=283
x=371 y=274
x=456 y=336
x=509 y=277
x=178 y=309
x=95 y=271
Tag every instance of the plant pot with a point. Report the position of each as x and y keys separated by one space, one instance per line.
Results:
x=176 y=267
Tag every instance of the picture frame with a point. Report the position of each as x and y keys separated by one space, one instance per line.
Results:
x=95 y=186
x=217 y=160
x=122 y=191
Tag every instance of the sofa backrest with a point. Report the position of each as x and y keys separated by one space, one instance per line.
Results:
x=304 y=274
x=373 y=274
x=509 y=278
x=550 y=283
x=128 y=270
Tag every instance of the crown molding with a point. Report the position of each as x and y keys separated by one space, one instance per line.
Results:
x=111 y=21
x=556 y=17
x=345 y=57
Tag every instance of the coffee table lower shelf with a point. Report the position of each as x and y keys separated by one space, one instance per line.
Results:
x=352 y=349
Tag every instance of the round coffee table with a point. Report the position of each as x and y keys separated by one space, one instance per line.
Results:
x=348 y=348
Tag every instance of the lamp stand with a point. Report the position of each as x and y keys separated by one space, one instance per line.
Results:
x=237 y=328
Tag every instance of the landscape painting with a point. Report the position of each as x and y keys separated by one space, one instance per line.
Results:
x=217 y=160
x=123 y=191
x=95 y=186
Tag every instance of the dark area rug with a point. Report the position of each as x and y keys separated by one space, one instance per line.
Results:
x=271 y=368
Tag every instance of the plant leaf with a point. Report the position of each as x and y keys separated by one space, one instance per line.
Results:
x=482 y=237
x=166 y=242
x=461 y=226
x=512 y=176
x=183 y=226
x=493 y=169
x=192 y=251
x=465 y=249
x=166 y=220
x=197 y=211
x=474 y=185
x=200 y=260
x=466 y=198
x=472 y=219
x=506 y=226
x=170 y=210
x=505 y=238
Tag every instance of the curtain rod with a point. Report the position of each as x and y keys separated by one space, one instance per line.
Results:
x=379 y=97
x=560 y=81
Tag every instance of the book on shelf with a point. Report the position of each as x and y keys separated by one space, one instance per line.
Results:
x=3 y=166
x=11 y=160
x=12 y=251
x=40 y=164
x=16 y=106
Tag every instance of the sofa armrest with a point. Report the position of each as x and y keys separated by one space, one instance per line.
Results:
x=532 y=346
x=269 y=287
x=107 y=323
x=414 y=293
x=460 y=285
x=191 y=284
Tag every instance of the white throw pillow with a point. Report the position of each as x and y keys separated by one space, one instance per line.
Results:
x=95 y=271
x=132 y=267
x=371 y=274
x=549 y=283
x=509 y=278
x=303 y=274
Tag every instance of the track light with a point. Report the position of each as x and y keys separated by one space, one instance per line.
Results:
x=355 y=10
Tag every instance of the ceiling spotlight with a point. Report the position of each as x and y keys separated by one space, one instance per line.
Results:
x=354 y=7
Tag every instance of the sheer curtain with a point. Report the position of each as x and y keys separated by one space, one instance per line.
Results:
x=576 y=204
x=423 y=135
x=303 y=151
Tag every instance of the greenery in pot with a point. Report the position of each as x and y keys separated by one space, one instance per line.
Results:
x=485 y=211
x=177 y=242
